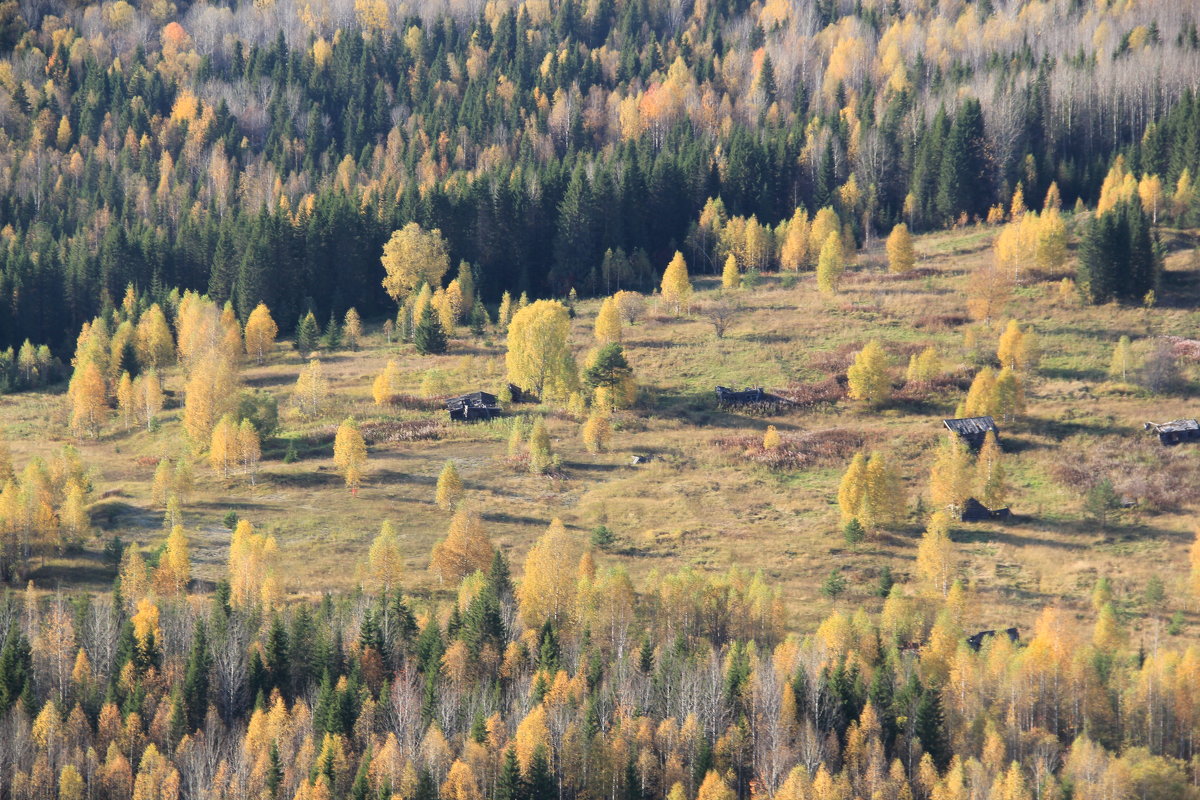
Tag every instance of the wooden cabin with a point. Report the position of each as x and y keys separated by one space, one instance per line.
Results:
x=473 y=406
x=972 y=430
x=1175 y=431
x=737 y=397
x=975 y=642
x=975 y=511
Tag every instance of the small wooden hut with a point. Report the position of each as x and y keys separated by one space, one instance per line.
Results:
x=473 y=406
x=973 y=430
x=1175 y=431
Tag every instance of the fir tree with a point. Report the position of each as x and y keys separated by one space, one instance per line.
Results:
x=307 y=334
x=195 y=681
x=429 y=337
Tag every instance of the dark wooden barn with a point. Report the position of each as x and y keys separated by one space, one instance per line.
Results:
x=1175 y=431
x=473 y=406
x=973 y=430
x=975 y=642
x=737 y=397
x=975 y=511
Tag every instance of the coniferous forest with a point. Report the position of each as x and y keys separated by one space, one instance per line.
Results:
x=264 y=152
x=599 y=400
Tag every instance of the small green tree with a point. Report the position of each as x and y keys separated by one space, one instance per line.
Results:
x=307 y=333
x=834 y=585
x=429 y=337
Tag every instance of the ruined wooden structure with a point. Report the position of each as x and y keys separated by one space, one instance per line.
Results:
x=975 y=511
x=1175 y=431
x=473 y=406
x=972 y=430
x=752 y=400
x=975 y=642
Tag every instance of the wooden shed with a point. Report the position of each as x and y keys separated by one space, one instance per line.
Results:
x=976 y=641
x=975 y=511
x=473 y=406
x=973 y=430
x=737 y=397
x=1175 y=431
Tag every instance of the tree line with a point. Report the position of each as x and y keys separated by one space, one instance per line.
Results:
x=272 y=167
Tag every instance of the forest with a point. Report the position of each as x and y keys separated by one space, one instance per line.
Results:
x=264 y=152
x=254 y=254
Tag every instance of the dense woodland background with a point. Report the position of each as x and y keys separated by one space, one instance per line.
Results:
x=264 y=152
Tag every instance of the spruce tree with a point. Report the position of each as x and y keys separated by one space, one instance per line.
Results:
x=195 y=681
x=510 y=785
x=429 y=337
x=964 y=184
x=931 y=728
x=307 y=333
x=541 y=785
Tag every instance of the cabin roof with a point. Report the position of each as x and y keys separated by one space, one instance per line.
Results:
x=1176 y=426
x=474 y=398
x=969 y=426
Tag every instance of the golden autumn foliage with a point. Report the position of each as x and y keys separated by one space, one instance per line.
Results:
x=465 y=549
x=901 y=257
x=546 y=590
x=449 y=487
x=868 y=378
x=350 y=453
x=676 y=286
x=413 y=256
x=260 y=333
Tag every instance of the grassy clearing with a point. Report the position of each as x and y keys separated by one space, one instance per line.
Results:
x=694 y=504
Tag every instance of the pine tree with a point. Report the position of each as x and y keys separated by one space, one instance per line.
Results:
x=449 y=487
x=350 y=454
x=930 y=728
x=429 y=335
x=676 y=285
x=830 y=264
x=868 y=377
x=510 y=785
x=196 y=678
x=900 y=250
x=609 y=374
x=332 y=338
x=964 y=186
